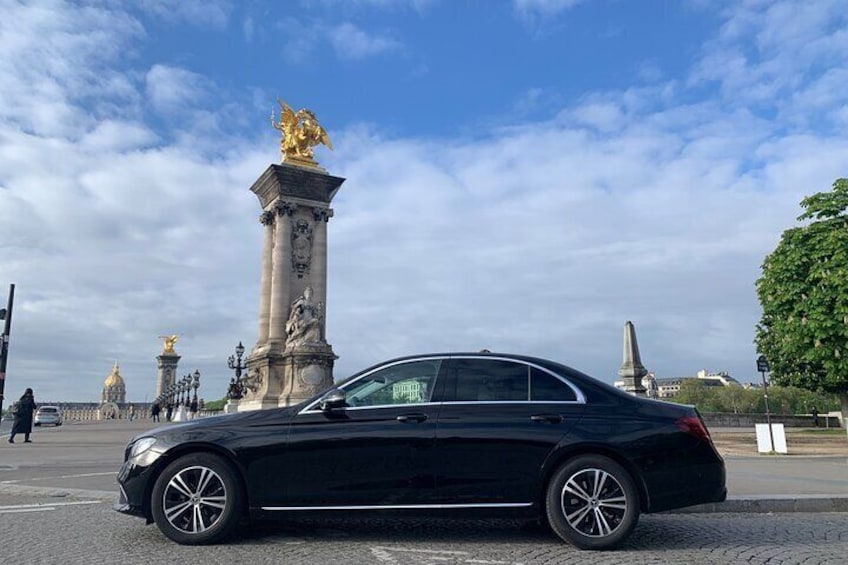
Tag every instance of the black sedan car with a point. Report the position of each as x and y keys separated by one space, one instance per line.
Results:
x=457 y=433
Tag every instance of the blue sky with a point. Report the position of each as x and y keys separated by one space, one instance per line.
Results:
x=523 y=176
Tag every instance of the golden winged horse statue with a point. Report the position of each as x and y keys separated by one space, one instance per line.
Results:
x=300 y=133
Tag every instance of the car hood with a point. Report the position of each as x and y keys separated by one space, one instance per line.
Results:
x=222 y=421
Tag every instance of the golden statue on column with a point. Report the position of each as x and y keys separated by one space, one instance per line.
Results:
x=300 y=133
x=169 y=342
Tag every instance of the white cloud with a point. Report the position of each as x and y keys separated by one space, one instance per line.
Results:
x=794 y=43
x=248 y=28
x=347 y=40
x=212 y=13
x=351 y=42
x=543 y=8
x=417 y=5
x=56 y=55
x=172 y=90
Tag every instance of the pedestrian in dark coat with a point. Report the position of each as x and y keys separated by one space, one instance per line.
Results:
x=169 y=411
x=23 y=417
x=154 y=411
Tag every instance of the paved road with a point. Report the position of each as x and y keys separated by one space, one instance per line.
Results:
x=55 y=507
x=83 y=531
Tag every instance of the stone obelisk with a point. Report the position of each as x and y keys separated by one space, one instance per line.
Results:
x=632 y=369
x=292 y=360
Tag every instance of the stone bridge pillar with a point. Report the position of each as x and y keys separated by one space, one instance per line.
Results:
x=292 y=360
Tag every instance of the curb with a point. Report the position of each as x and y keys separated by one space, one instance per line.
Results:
x=767 y=504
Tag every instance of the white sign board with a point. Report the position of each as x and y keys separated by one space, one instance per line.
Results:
x=764 y=438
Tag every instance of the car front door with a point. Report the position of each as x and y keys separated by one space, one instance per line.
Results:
x=373 y=452
x=500 y=419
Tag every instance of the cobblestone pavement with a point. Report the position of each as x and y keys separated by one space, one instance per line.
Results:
x=80 y=531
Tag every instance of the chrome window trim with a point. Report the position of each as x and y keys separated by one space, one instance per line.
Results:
x=580 y=397
x=404 y=506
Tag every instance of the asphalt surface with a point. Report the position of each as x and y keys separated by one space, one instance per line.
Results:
x=56 y=495
x=84 y=457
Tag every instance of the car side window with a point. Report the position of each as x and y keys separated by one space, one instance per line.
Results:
x=546 y=387
x=489 y=380
x=404 y=383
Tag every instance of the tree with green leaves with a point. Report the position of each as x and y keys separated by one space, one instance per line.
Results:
x=804 y=295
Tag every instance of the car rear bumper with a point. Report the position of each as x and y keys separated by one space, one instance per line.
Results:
x=705 y=484
x=48 y=421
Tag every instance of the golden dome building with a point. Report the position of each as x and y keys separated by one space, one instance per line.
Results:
x=114 y=389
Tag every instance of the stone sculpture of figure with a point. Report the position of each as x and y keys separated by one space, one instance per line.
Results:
x=170 y=340
x=305 y=320
x=301 y=132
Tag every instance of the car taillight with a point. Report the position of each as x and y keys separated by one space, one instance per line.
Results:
x=695 y=426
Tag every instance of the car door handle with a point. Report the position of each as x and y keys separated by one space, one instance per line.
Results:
x=549 y=418
x=417 y=418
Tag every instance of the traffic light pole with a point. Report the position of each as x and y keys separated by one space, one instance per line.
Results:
x=4 y=343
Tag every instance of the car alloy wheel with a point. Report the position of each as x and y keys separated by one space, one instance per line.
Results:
x=196 y=499
x=592 y=502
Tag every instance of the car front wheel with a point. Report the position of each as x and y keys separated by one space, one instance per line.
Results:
x=197 y=500
x=592 y=502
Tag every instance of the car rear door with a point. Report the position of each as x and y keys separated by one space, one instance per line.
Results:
x=500 y=419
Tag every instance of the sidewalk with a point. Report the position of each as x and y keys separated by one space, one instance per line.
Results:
x=82 y=458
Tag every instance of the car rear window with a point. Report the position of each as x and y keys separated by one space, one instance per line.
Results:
x=44 y=410
x=546 y=387
x=490 y=380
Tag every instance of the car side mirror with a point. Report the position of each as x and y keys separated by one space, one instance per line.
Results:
x=335 y=398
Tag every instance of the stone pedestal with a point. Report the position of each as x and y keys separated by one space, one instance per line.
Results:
x=288 y=378
x=291 y=360
x=167 y=363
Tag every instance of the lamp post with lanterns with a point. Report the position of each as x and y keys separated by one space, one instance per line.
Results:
x=236 y=389
x=195 y=384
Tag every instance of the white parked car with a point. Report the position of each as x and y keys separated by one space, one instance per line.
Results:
x=48 y=416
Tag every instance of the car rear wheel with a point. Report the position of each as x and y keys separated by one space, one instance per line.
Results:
x=197 y=500
x=592 y=502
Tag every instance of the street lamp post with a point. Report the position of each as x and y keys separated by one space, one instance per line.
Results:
x=195 y=383
x=763 y=368
x=6 y=316
x=186 y=389
x=236 y=389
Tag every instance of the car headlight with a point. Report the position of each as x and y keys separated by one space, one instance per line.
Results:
x=142 y=445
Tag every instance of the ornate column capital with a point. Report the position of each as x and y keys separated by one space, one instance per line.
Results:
x=322 y=214
x=285 y=208
x=266 y=218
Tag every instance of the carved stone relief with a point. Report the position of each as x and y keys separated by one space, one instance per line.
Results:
x=301 y=240
x=311 y=379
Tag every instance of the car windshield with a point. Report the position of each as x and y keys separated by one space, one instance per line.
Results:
x=48 y=409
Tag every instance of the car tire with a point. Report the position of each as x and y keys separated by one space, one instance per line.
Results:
x=197 y=499
x=592 y=502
